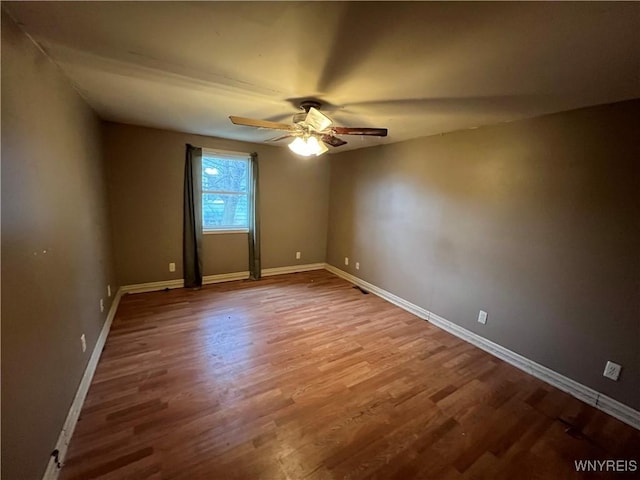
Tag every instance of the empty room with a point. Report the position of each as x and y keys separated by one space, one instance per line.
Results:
x=320 y=240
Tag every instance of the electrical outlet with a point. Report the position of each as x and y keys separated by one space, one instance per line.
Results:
x=482 y=317
x=297 y=255
x=172 y=267
x=102 y=304
x=83 y=342
x=612 y=371
x=108 y=290
x=357 y=265
x=346 y=260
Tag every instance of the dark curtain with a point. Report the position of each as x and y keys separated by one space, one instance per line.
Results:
x=254 y=221
x=192 y=224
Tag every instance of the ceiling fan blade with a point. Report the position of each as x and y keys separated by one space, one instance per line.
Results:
x=376 y=132
x=333 y=141
x=281 y=137
x=252 y=122
x=316 y=120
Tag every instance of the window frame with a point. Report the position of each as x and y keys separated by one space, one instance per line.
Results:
x=236 y=157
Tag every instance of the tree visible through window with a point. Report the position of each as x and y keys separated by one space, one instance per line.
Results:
x=225 y=191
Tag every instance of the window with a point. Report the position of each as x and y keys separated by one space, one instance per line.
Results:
x=225 y=191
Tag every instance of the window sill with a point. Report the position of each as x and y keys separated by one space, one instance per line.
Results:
x=222 y=231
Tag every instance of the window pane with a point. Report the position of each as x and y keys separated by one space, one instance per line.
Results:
x=224 y=175
x=224 y=211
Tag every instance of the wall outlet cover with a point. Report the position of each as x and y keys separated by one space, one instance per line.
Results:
x=482 y=317
x=612 y=371
x=297 y=255
x=172 y=267
x=346 y=260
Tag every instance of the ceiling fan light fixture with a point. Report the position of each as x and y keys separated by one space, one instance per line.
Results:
x=317 y=146
x=299 y=146
x=307 y=146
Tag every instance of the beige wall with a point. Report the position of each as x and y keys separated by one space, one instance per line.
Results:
x=53 y=200
x=145 y=176
x=536 y=222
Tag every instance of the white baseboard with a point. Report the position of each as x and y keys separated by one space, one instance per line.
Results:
x=592 y=397
x=152 y=286
x=52 y=471
x=267 y=272
x=179 y=282
x=218 y=278
x=224 y=277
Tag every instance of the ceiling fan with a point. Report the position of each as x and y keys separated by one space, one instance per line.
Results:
x=311 y=131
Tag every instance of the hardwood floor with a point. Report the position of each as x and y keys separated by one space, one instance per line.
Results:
x=304 y=377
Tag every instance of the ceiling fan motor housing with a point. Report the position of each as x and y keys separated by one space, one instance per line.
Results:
x=306 y=105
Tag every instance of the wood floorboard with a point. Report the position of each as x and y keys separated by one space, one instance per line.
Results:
x=301 y=376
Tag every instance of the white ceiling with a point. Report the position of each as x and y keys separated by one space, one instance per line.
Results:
x=416 y=68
